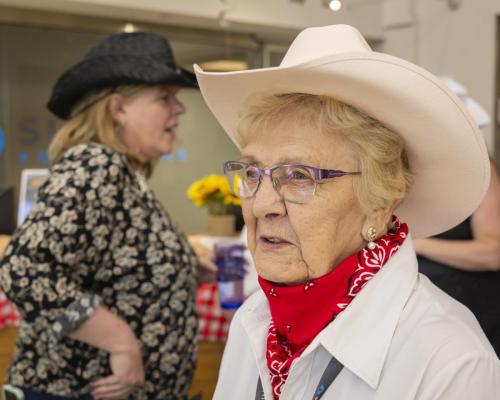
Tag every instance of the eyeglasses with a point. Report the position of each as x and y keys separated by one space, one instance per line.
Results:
x=294 y=183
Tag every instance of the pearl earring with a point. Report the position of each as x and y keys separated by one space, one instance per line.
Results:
x=372 y=232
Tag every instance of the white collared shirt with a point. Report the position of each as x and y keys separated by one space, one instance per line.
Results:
x=401 y=338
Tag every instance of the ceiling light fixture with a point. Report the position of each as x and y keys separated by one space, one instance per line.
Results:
x=129 y=28
x=335 y=5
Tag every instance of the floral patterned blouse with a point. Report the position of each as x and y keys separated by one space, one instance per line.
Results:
x=97 y=235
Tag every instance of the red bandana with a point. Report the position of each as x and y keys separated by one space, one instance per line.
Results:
x=296 y=315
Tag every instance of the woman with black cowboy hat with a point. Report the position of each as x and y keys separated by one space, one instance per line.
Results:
x=103 y=279
x=346 y=155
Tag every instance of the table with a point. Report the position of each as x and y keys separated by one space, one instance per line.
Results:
x=4 y=241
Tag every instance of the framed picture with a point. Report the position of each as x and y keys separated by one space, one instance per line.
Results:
x=31 y=180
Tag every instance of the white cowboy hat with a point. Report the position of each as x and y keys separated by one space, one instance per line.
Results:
x=445 y=149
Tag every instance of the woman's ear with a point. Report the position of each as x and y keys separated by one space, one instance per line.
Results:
x=116 y=108
x=379 y=220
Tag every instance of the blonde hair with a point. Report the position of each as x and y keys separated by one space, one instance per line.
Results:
x=91 y=121
x=381 y=156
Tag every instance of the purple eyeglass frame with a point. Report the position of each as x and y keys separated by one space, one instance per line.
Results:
x=320 y=174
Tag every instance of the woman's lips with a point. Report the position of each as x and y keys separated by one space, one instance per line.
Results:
x=170 y=131
x=273 y=242
x=171 y=128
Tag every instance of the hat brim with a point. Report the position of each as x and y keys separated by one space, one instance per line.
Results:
x=109 y=71
x=445 y=149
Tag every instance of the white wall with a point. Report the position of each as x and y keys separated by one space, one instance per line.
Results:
x=460 y=42
x=266 y=18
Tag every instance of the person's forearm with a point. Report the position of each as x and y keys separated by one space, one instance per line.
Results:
x=468 y=255
x=106 y=331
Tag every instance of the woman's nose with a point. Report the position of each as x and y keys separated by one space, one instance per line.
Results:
x=178 y=106
x=267 y=202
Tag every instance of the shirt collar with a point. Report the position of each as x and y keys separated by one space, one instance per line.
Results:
x=361 y=335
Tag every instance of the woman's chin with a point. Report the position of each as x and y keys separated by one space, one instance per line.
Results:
x=285 y=279
x=166 y=146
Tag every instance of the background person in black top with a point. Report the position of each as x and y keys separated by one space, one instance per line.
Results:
x=465 y=261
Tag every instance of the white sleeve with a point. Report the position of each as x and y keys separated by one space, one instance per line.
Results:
x=472 y=376
x=238 y=373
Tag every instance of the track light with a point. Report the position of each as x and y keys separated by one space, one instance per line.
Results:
x=129 y=28
x=335 y=5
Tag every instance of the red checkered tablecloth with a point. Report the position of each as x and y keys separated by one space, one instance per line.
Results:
x=8 y=313
x=213 y=324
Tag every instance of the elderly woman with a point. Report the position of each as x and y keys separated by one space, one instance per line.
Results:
x=347 y=154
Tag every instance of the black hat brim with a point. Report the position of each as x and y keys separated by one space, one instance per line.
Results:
x=109 y=71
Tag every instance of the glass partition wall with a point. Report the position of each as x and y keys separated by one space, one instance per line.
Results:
x=32 y=56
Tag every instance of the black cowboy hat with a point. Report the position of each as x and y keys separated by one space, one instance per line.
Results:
x=120 y=59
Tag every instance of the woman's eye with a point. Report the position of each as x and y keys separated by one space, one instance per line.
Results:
x=251 y=174
x=297 y=174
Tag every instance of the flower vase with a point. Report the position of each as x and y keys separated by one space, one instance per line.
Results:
x=220 y=221
x=221 y=225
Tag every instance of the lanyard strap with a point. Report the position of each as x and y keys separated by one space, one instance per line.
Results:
x=331 y=371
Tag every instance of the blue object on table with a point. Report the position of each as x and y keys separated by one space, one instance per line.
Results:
x=229 y=257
